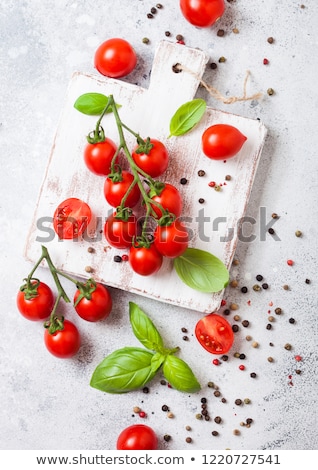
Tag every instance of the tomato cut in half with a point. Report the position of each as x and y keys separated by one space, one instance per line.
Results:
x=71 y=218
x=214 y=333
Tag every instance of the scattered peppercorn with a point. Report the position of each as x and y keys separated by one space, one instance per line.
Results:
x=298 y=233
x=217 y=187
x=298 y=371
x=149 y=15
x=167 y=33
x=307 y=281
x=145 y=390
x=286 y=287
x=247 y=401
x=245 y=323
x=268 y=326
x=136 y=409
x=278 y=311
x=179 y=37
x=234 y=283
x=241 y=367
x=165 y=408
x=259 y=277
x=188 y=440
x=201 y=173
x=244 y=289
x=242 y=356
x=236 y=432
x=275 y=216
x=118 y=259
x=183 y=181
x=170 y=415
x=288 y=346
x=270 y=359
x=201 y=200
x=217 y=393
x=224 y=357
x=290 y=262
x=235 y=30
x=228 y=177
x=222 y=59
x=265 y=285
x=271 y=231
x=270 y=40
x=270 y=91
x=248 y=338
x=257 y=287
x=234 y=306
x=220 y=33
x=198 y=416
x=159 y=6
x=188 y=428
x=185 y=338
x=238 y=402
x=236 y=318
x=292 y=320
x=226 y=311
x=145 y=40
x=90 y=249
x=235 y=328
x=167 y=437
x=253 y=375
x=255 y=344
x=89 y=269
x=163 y=382
x=153 y=10
x=214 y=433
x=218 y=419
x=223 y=400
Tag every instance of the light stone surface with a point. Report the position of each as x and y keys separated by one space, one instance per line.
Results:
x=47 y=403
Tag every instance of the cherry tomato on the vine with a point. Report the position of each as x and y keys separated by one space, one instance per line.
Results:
x=170 y=199
x=137 y=437
x=171 y=240
x=39 y=306
x=98 y=157
x=155 y=162
x=96 y=308
x=202 y=13
x=145 y=260
x=120 y=233
x=215 y=334
x=115 y=58
x=71 y=218
x=114 y=191
x=222 y=141
x=63 y=343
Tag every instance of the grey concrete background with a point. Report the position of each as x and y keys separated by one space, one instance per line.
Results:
x=47 y=403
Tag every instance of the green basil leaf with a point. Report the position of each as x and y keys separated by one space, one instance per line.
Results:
x=123 y=370
x=92 y=104
x=201 y=270
x=157 y=361
x=179 y=375
x=187 y=116
x=143 y=328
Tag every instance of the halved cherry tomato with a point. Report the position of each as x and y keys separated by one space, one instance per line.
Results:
x=71 y=218
x=114 y=191
x=115 y=58
x=137 y=437
x=222 y=141
x=145 y=260
x=63 y=343
x=118 y=232
x=153 y=162
x=170 y=199
x=98 y=157
x=97 y=307
x=171 y=240
x=214 y=333
x=38 y=305
x=202 y=13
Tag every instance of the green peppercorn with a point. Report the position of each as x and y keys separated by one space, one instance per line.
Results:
x=270 y=91
x=222 y=59
x=257 y=287
x=298 y=233
x=145 y=40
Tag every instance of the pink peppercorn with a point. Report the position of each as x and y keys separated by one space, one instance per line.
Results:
x=265 y=61
x=298 y=358
x=212 y=184
x=242 y=367
x=290 y=262
x=142 y=414
x=216 y=362
x=125 y=257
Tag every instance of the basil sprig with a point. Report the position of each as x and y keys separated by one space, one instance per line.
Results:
x=131 y=368
x=187 y=116
x=201 y=270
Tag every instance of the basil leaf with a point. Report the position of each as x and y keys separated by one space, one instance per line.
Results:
x=179 y=375
x=187 y=116
x=123 y=370
x=201 y=270
x=157 y=361
x=143 y=328
x=92 y=104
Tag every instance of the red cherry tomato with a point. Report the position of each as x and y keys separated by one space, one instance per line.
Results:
x=71 y=218
x=170 y=199
x=96 y=308
x=120 y=233
x=114 y=191
x=39 y=306
x=171 y=240
x=155 y=162
x=115 y=58
x=98 y=157
x=63 y=343
x=215 y=334
x=137 y=437
x=222 y=141
x=145 y=260
x=202 y=13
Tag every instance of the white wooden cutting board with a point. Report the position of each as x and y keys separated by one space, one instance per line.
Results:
x=213 y=224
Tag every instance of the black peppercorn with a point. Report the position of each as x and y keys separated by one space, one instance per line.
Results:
x=201 y=173
x=165 y=408
x=244 y=290
x=118 y=259
x=214 y=433
x=259 y=277
x=166 y=437
x=238 y=401
x=292 y=320
x=268 y=326
x=265 y=285
x=253 y=375
x=235 y=328
x=183 y=181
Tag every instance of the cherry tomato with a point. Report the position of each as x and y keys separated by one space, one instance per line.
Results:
x=115 y=58
x=155 y=162
x=39 y=306
x=63 y=343
x=98 y=157
x=114 y=191
x=145 y=260
x=71 y=218
x=97 y=307
x=171 y=240
x=222 y=141
x=202 y=13
x=137 y=437
x=170 y=199
x=215 y=334
x=120 y=233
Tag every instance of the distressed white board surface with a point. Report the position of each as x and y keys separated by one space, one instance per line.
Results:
x=213 y=225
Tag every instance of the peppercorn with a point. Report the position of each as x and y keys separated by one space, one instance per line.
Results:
x=226 y=311
x=286 y=287
x=242 y=356
x=153 y=10
x=298 y=233
x=253 y=375
x=238 y=401
x=298 y=371
x=244 y=290
x=270 y=359
x=207 y=417
x=167 y=33
x=145 y=40
x=307 y=281
x=288 y=346
x=270 y=91
x=179 y=37
x=233 y=306
x=214 y=433
x=188 y=440
x=170 y=415
x=236 y=432
x=163 y=382
x=265 y=285
x=185 y=338
x=268 y=326
x=278 y=311
x=271 y=231
x=149 y=15
x=270 y=40
x=245 y=323
x=183 y=181
x=235 y=30
x=203 y=400
x=136 y=409
x=213 y=66
x=145 y=390
x=291 y=320
x=201 y=200
x=201 y=173
x=198 y=416
x=255 y=344
x=257 y=287
x=236 y=317
x=167 y=437
x=188 y=428
x=223 y=400
x=259 y=277
x=222 y=59
x=165 y=408
x=234 y=283
x=247 y=401
x=117 y=259
x=204 y=412
x=235 y=328
x=210 y=384
x=217 y=393
x=159 y=6
x=89 y=269
x=220 y=33
x=228 y=177
x=90 y=249
x=224 y=357
x=271 y=318
x=274 y=215
x=218 y=419
x=184 y=330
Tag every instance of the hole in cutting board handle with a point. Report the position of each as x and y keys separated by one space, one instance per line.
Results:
x=177 y=68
